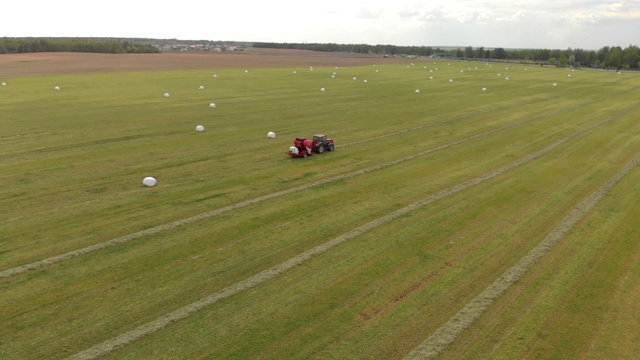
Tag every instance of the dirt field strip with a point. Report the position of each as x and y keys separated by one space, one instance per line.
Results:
x=449 y=331
x=172 y=225
x=182 y=313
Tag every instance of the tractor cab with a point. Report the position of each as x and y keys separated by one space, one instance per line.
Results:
x=320 y=138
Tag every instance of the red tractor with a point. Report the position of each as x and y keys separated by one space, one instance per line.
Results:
x=305 y=147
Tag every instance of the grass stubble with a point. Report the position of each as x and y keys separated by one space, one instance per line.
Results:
x=207 y=215
x=445 y=334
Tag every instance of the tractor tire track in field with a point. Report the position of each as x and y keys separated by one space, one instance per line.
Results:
x=448 y=332
x=270 y=273
x=210 y=214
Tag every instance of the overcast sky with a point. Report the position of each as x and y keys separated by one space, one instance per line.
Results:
x=557 y=24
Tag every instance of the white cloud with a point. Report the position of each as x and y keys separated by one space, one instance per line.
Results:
x=616 y=6
x=491 y=23
x=367 y=13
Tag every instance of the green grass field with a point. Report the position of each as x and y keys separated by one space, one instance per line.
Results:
x=368 y=252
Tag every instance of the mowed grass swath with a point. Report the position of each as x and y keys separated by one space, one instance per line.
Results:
x=382 y=274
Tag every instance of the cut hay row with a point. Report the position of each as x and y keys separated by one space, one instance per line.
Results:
x=210 y=214
x=449 y=331
x=270 y=273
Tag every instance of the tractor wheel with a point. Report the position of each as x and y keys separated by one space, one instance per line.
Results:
x=320 y=149
x=330 y=147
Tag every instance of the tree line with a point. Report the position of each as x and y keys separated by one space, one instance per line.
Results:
x=614 y=57
x=107 y=46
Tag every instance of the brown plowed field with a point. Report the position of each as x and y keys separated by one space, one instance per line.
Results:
x=40 y=64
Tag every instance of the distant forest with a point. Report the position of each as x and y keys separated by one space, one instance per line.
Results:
x=107 y=45
x=613 y=57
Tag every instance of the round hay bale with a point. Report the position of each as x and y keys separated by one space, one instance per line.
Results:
x=149 y=181
x=450 y=80
x=56 y=88
x=166 y=95
x=215 y=76
x=4 y=83
x=212 y=105
x=201 y=87
x=271 y=135
x=199 y=128
x=322 y=89
x=484 y=89
x=417 y=91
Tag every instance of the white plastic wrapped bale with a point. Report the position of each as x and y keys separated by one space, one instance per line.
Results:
x=166 y=95
x=149 y=181
x=271 y=135
x=215 y=75
x=450 y=80
x=4 y=83
x=56 y=88
x=484 y=89
x=212 y=105
x=417 y=91
x=322 y=89
x=199 y=128
x=293 y=150
x=201 y=87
